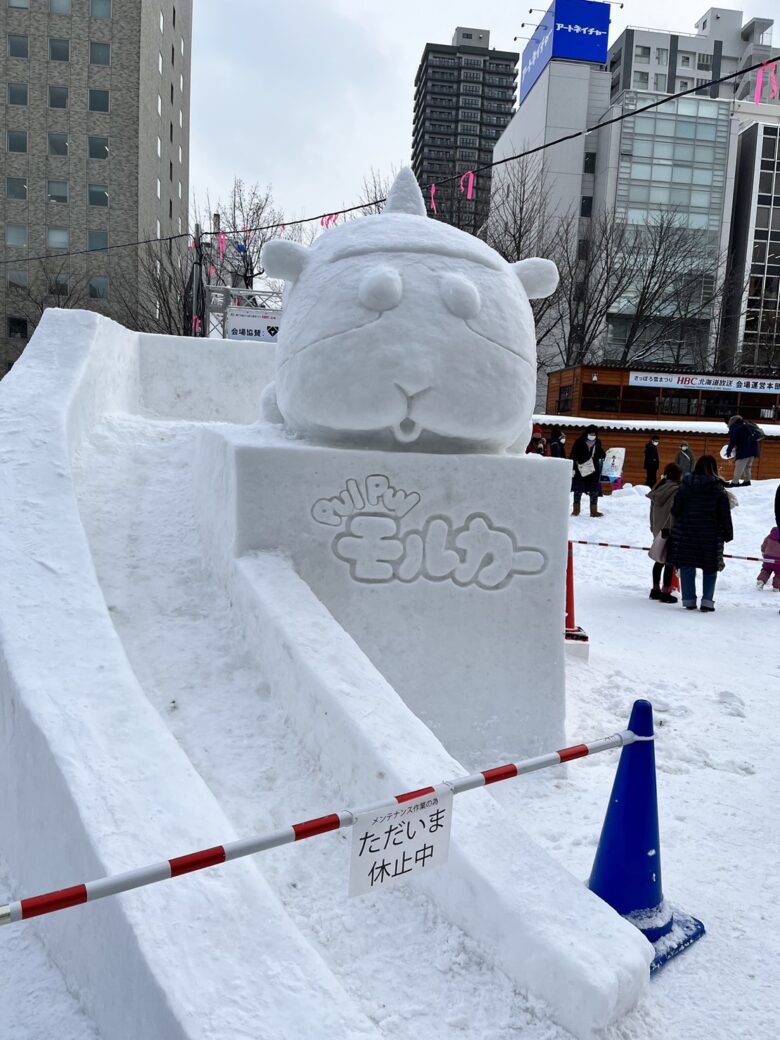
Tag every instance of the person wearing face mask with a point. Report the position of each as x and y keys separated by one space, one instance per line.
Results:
x=686 y=460
x=652 y=461
x=588 y=457
x=556 y=443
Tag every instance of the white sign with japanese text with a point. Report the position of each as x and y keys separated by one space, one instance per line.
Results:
x=691 y=381
x=399 y=839
x=252 y=323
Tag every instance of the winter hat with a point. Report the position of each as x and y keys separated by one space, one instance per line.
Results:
x=537 y=431
x=733 y=419
x=555 y=433
x=591 y=429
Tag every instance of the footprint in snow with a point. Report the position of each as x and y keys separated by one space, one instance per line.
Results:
x=731 y=703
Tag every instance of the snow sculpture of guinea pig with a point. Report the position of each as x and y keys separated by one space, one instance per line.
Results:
x=399 y=330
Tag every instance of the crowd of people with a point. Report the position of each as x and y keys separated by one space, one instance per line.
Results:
x=690 y=507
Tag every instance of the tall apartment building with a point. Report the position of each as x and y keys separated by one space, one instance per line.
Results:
x=464 y=98
x=679 y=157
x=97 y=115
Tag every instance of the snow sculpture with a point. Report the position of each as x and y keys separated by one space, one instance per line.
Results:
x=401 y=331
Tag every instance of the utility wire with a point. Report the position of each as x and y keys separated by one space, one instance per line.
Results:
x=445 y=180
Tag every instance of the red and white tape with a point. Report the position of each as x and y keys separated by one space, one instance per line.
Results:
x=111 y=886
x=646 y=548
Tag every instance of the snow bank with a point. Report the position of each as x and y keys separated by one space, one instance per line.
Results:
x=546 y=929
x=682 y=425
x=93 y=781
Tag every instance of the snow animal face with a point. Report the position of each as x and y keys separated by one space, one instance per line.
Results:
x=402 y=331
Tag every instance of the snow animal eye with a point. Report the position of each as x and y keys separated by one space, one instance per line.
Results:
x=460 y=296
x=381 y=289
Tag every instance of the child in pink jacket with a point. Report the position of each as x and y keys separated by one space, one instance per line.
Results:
x=770 y=550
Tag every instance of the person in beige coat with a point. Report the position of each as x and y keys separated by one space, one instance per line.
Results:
x=661 y=498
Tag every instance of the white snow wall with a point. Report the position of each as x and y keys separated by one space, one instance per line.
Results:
x=545 y=929
x=93 y=782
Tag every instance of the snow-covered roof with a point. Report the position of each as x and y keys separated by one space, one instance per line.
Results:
x=717 y=428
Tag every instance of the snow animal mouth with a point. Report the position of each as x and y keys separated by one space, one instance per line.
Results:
x=406 y=431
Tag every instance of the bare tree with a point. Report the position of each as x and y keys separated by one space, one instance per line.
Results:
x=247 y=219
x=162 y=300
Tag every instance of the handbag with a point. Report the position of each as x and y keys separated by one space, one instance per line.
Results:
x=659 y=548
x=586 y=468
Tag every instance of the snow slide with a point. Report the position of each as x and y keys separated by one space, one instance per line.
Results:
x=185 y=698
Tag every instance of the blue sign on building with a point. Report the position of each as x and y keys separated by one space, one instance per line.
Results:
x=576 y=30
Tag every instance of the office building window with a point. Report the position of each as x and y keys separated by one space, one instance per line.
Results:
x=59 y=6
x=58 y=285
x=170 y=209
x=162 y=22
x=17 y=93
x=17 y=140
x=640 y=80
x=180 y=154
x=662 y=55
x=659 y=82
x=57 y=191
x=59 y=50
x=98 y=287
x=181 y=118
x=589 y=164
x=158 y=187
x=171 y=93
x=159 y=148
x=179 y=189
x=16 y=188
x=23 y=5
x=58 y=144
x=57 y=238
x=684 y=84
x=17 y=328
x=98 y=101
x=58 y=97
x=159 y=62
x=641 y=55
x=586 y=205
x=97 y=194
x=16 y=234
x=181 y=44
x=17 y=277
x=98 y=147
x=703 y=61
x=181 y=82
x=99 y=53
x=97 y=241
x=158 y=229
x=159 y=105
x=100 y=8
x=179 y=225
x=685 y=58
x=18 y=46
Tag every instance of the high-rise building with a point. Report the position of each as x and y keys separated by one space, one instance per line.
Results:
x=96 y=151
x=464 y=98
x=678 y=158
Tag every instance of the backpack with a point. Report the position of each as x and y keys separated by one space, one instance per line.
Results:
x=755 y=431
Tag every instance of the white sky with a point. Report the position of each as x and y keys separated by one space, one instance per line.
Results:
x=309 y=95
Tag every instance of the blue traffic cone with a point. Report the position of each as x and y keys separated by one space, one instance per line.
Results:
x=627 y=868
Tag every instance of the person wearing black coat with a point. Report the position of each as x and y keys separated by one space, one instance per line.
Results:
x=702 y=523
x=556 y=443
x=588 y=457
x=652 y=462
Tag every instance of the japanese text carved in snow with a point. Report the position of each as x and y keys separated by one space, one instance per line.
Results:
x=400 y=331
x=379 y=548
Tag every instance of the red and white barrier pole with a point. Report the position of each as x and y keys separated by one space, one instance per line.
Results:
x=646 y=548
x=48 y=903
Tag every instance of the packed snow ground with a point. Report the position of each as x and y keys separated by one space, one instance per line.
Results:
x=713 y=680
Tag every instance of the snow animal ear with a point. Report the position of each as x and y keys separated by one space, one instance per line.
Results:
x=405 y=195
x=283 y=259
x=539 y=277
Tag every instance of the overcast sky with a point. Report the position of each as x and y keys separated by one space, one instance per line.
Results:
x=309 y=95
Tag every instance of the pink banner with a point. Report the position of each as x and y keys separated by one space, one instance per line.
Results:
x=470 y=190
x=433 y=199
x=771 y=68
x=221 y=244
x=329 y=220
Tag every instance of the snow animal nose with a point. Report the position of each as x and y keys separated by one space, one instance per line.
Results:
x=461 y=296
x=381 y=289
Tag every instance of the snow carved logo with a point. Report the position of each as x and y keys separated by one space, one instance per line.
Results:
x=378 y=551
